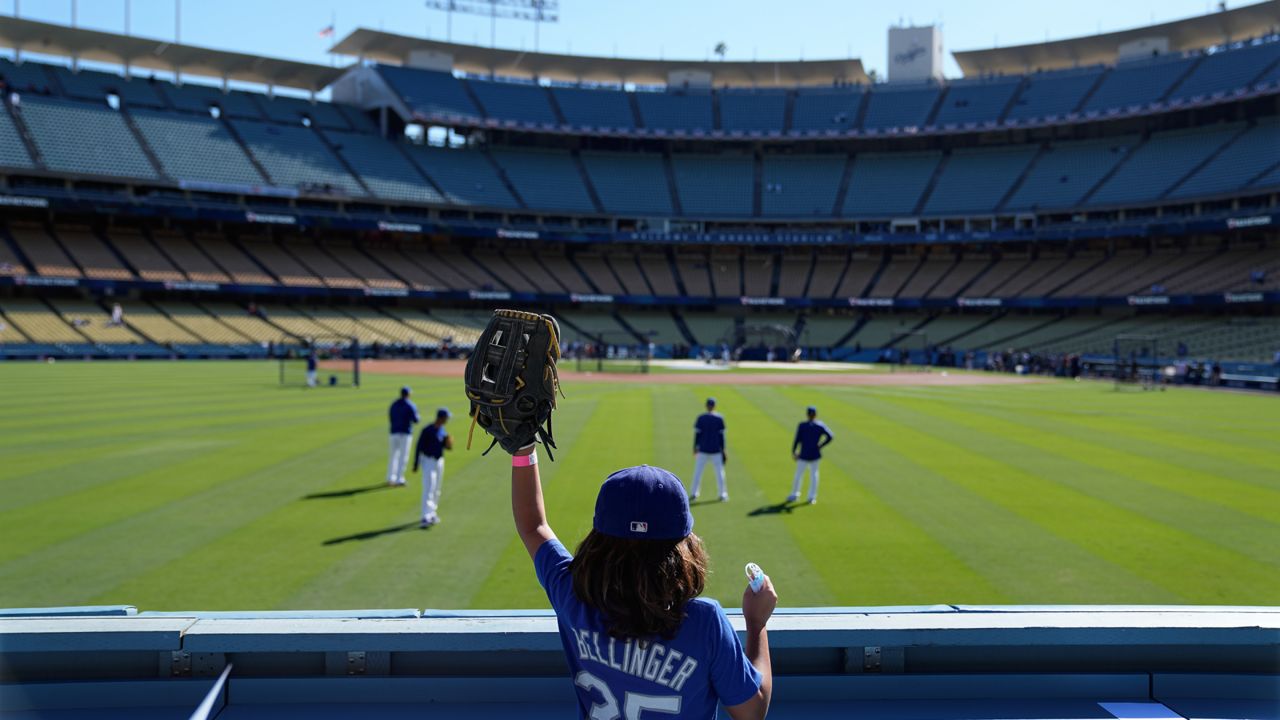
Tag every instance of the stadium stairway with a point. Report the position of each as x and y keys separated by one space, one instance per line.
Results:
x=24 y=132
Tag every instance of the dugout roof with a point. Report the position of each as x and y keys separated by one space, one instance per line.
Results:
x=152 y=54
x=1192 y=33
x=393 y=48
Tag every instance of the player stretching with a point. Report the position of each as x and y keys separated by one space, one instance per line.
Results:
x=708 y=447
x=404 y=415
x=432 y=443
x=811 y=436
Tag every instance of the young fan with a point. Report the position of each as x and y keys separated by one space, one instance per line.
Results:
x=636 y=633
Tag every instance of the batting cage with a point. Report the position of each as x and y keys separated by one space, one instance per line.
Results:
x=767 y=341
x=912 y=351
x=332 y=361
x=608 y=351
x=1137 y=362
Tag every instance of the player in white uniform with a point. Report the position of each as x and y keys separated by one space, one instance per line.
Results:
x=708 y=447
x=429 y=453
x=403 y=415
x=811 y=436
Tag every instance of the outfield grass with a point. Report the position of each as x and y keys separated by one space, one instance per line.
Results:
x=205 y=485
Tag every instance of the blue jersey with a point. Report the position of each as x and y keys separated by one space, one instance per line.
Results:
x=311 y=363
x=431 y=441
x=404 y=414
x=682 y=678
x=708 y=433
x=809 y=435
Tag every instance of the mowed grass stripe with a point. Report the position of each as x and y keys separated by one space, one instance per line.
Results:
x=982 y=514
x=732 y=536
x=88 y=565
x=1217 y=524
x=1099 y=449
x=445 y=566
x=1195 y=571
x=602 y=445
x=874 y=543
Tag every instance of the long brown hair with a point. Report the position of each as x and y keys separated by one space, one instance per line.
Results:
x=639 y=586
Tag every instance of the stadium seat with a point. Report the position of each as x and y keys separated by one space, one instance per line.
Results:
x=83 y=138
x=547 y=179
x=976 y=102
x=1137 y=83
x=884 y=185
x=976 y=180
x=595 y=108
x=1243 y=160
x=714 y=185
x=91 y=254
x=1053 y=94
x=759 y=111
x=384 y=167
x=1226 y=71
x=467 y=177
x=826 y=109
x=13 y=152
x=629 y=183
x=899 y=107
x=296 y=157
x=800 y=185
x=95 y=86
x=522 y=103
x=433 y=94
x=195 y=147
x=1066 y=171
x=1157 y=165
x=676 y=111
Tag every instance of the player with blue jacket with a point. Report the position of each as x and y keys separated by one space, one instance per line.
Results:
x=403 y=415
x=641 y=643
x=811 y=436
x=708 y=447
x=429 y=453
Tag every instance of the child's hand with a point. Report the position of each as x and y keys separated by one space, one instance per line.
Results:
x=758 y=607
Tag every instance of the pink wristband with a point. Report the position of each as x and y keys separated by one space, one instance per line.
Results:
x=525 y=460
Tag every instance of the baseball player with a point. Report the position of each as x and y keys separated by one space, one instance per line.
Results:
x=708 y=447
x=404 y=415
x=311 y=368
x=432 y=443
x=811 y=436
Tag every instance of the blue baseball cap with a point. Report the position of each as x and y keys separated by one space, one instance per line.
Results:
x=643 y=503
x=811 y=410
x=443 y=412
x=404 y=390
x=711 y=401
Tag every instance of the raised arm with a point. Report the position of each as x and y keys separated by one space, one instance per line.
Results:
x=526 y=502
x=757 y=608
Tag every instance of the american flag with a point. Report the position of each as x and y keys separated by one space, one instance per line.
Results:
x=326 y=31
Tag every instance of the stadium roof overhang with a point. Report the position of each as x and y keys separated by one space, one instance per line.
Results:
x=1193 y=33
x=151 y=54
x=398 y=49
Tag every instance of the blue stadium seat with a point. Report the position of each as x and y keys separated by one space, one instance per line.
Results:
x=466 y=176
x=899 y=107
x=1161 y=162
x=760 y=111
x=357 y=118
x=437 y=94
x=1228 y=70
x=1053 y=94
x=977 y=102
x=291 y=110
x=633 y=183
x=13 y=152
x=888 y=184
x=714 y=185
x=823 y=109
x=686 y=111
x=193 y=97
x=517 y=102
x=800 y=185
x=1065 y=171
x=1252 y=153
x=1136 y=83
x=546 y=179
x=295 y=156
x=595 y=108
x=25 y=76
x=976 y=179
x=387 y=172
x=77 y=137
x=195 y=147
x=93 y=85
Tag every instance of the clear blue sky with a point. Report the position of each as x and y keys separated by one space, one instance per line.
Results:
x=776 y=29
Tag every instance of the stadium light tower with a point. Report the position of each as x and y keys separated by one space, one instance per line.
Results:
x=539 y=11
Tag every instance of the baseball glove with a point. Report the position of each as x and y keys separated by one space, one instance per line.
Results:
x=511 y=380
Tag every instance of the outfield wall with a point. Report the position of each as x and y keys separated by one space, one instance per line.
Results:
x=952 y=661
